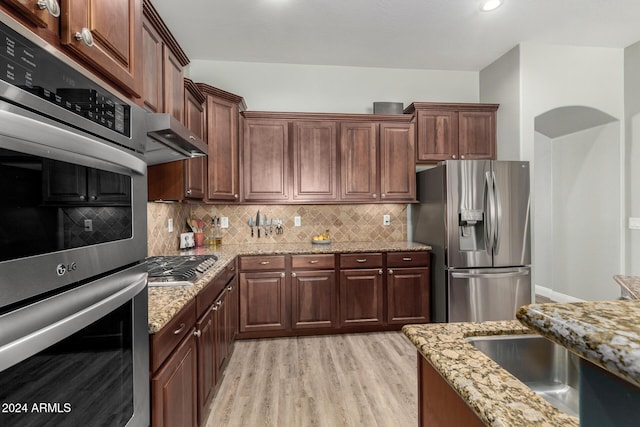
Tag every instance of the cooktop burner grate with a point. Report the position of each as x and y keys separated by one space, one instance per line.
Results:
x=178 y=270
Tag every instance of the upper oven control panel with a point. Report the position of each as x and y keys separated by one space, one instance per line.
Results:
x=31 y=68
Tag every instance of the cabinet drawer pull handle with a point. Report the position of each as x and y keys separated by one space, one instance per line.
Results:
x=313 y=261
x=191 y=137
x=361 y=260
x=265 y=262
x=180 y=329
x=197 y=333
x=407 y=259
x=52 y=7
x=85 y=36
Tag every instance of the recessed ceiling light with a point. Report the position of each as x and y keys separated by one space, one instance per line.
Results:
x=489 y=5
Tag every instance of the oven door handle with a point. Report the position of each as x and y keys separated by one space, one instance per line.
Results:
x=31 y=329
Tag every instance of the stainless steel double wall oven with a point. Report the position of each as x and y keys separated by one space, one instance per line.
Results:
x=73 y=295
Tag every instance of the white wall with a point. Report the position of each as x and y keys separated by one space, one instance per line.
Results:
x=632 y=153
x=500 y=84
x=313 y=88
x=557 y=76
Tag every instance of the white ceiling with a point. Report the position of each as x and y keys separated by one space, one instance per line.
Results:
x=420 y=34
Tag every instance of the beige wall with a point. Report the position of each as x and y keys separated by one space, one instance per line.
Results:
x=346 y=223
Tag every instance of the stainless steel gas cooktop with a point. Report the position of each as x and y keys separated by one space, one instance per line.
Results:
x=178 y=270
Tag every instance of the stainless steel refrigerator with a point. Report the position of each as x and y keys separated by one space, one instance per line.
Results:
x=475 y=215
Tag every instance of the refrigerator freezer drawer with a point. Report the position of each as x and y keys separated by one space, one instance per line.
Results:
x=477 y=295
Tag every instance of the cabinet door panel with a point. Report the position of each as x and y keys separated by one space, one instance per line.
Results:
x=38 y=17
x=408 y=295
x=107 y=186
x=477 y=135
x=222 y=122
x=152 y=60
x=206 y=363
x=314 y=161
x=397 y=161
x=266 y=160
x=173 y=85
x=174 y=388
x=195 y=170
x=437 y=135
x=361 y=297
x=221 y=330
x=358 y=161
x=263 y=302
x=64 y=182
x=313 y=299
x=116 y=29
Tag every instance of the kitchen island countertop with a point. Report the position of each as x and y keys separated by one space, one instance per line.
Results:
x=166 y=301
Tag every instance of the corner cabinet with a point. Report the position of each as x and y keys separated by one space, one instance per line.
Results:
x=108 y=36
x=222 y=117
x=447 y=131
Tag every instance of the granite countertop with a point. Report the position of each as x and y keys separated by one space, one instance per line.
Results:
x=496 y=396
x=630 y=284
x=606 y=333
x=166 y=301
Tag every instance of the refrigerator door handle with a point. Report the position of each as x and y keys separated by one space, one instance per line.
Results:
x=517 y=273
x=498 y=210
x=489 y=212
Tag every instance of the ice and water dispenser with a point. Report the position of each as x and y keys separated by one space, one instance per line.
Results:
x=471 y=229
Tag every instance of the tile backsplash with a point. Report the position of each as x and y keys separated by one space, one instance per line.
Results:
x=346 y=223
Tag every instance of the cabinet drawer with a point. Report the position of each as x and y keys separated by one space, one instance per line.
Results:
x=209 y=293
x=262 y=262
x=163 y=342
x=309 y=262
x=364 y=260
x=408 y=259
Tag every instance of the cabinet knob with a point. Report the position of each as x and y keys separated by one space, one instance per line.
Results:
x=85 y=36
x=382 y=196
x=230 y=288
x=219 y=303
x=214 y=307
x=380 y=271
x=52 y=7
x=374 y=195
x=462 y=156
x=390 y=271
x=453 y=156
x=294 y=275
x=83 y=197
x=94 y=197
x=197 y=333
x=282 y=274
x=235 y=196
x=188 y=191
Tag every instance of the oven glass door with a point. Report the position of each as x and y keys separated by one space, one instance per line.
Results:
x=84 y=380
x=79 y=358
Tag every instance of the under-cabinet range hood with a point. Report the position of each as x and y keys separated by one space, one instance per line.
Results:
x=169 y=140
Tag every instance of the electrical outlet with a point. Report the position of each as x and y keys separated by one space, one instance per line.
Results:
x=386 y=219
x=170 y=225
x=297 y=221
x=88 y=225
x=224 y=222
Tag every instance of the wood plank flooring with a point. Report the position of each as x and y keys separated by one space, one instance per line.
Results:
x=334 y=380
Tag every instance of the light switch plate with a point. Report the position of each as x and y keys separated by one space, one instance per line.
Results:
x=634 y=223
x=224 y=222
x=170 y=225
x=297 y=221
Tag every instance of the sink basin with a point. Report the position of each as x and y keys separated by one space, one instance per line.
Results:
x=548 y=369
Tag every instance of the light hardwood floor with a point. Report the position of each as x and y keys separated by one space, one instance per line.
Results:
x=334 y=380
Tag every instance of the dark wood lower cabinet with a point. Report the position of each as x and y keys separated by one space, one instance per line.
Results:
x=361 y=297
x=174 y=388
x=263 y=301
x=313 y=299
x=407 y=295
x=438 y=404
x=207 y=372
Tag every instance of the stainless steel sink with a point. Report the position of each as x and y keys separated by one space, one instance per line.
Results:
x=548 y=369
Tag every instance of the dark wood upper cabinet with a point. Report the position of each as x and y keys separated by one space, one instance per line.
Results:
x=222 y=117
x=315 y=175
x=455 y=131
x=108 y=36
x=265 y=160
x=359 y=161
x=397 y=161
x=152 y=54
x=194 y=118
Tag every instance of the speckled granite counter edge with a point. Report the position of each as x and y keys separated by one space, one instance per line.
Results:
x=630 y=284
x=166 y=302
x=602 y=332
x=496 y=396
